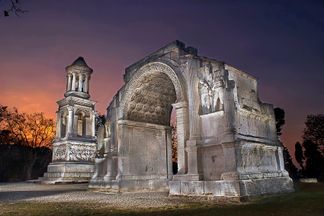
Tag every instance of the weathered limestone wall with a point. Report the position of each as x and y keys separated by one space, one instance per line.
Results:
x=211 y=125
x=227 y=142
x=252 y=117
x=143 y=145
x=212 y=162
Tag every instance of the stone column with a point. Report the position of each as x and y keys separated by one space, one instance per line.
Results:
x=193 y=125
x=93 y=123
x=193 y=100
x=168 y=141
x=58 y=124
x=70 y=121
x=108 y=175
x=281 y=160
x=73 y=82
x=80 y=83
x=69 y=82
x=76 y=123
x=109 y=160
x=182 y=135
x=98 y=164
x=193 y=159
x=86 y=84
x=229 y=111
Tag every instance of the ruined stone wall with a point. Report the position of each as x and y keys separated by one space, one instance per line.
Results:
x=252 y=117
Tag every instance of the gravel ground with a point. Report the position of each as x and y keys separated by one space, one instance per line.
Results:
x=79 y=193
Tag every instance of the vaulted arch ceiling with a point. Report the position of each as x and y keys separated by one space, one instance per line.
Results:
x=151 y=99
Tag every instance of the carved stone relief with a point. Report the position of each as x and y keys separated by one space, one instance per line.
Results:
x=81 y=152
x=151 y=99
x=210 y=87
x=139 y=88
x=59 y=153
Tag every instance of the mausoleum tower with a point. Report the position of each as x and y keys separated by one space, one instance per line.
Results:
x=74 y=146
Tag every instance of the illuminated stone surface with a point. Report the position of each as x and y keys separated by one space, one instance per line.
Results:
x=74 y=147
x=227 y=142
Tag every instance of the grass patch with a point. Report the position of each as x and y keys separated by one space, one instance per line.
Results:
x=307 y=200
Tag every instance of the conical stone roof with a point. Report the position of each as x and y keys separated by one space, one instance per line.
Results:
x=80 y=62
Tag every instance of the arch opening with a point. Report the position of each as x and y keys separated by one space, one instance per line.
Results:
x=152 y=99
x=81 y=123
x=151 y=127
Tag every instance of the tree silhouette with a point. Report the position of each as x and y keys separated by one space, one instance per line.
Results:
x=289 y=165
x=309 y=155
x=100 y=122
x=33 y=130
x=280 y=121
x=299 y=155
x=13 y=7
x=25 y=141
x=314 y=130
x=314 y=167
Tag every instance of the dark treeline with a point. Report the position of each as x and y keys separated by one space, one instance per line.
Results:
x=25 y=142
x=310 y=153
x=19 y=163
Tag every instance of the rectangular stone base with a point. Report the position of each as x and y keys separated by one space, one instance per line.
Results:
x=232 y=188
x=156 y=185
x=68 y=172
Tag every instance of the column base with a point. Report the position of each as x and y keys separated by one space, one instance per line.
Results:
x=232 y=188
x=139 y=185
x=68 y=172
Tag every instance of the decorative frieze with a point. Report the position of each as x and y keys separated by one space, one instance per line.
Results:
x=82 y=152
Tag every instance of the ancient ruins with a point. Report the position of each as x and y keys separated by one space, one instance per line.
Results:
x=74 y=147
x=226 y=137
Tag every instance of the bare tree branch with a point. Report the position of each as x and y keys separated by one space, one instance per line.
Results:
x=33 y=130
x=14 y=7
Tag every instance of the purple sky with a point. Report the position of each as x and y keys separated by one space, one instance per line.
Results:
x=279 y=42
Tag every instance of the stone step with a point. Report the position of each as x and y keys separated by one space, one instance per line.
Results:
x=68 y=175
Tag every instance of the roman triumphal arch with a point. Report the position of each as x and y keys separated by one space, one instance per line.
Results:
x=226 y=138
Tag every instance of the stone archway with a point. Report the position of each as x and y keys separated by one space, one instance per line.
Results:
x=148 y=70
x=217 y=156
x=151 y=99
x=144 y=127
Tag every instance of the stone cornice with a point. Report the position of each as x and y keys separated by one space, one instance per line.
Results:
x=71 y=100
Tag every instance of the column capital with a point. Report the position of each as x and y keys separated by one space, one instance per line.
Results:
x=181 y=104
